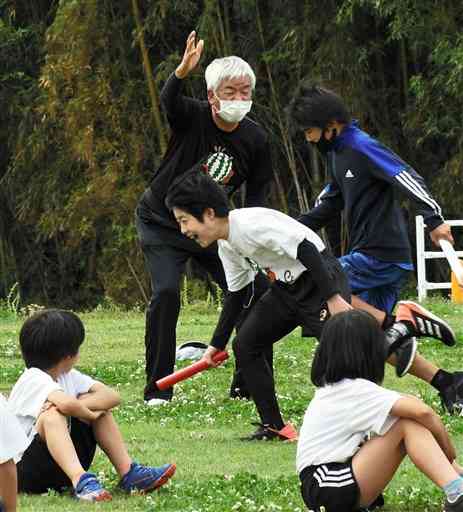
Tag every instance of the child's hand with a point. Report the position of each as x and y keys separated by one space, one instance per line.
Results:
x=97 y=414
x=46 y=405
x=209 y=354
x=442 y=232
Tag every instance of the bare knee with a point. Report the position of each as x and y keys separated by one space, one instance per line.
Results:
x=51 y=418
x=406 y=427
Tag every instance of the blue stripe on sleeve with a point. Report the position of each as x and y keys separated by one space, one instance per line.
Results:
x=381 y=156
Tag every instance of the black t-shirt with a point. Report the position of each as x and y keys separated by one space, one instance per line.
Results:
x=236 y=157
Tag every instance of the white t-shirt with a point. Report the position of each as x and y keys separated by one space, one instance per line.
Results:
x=13 y=441
x=32 y=389
x=340 y=418
x=266 y=239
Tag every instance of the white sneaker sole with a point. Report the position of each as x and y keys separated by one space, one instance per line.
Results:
x=156 y=402
x=412 y=358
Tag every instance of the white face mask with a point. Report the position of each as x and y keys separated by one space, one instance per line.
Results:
x=233 y=111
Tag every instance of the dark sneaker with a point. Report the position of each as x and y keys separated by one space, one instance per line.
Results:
x=456 y=506
x=266 y=433
x=89 y=488
x=240 y=393
x=146 y=479
x=378 y=503
x=396 y=335
x=400 y=343
x=452 y=396
x=405 y=355
x=423 y=323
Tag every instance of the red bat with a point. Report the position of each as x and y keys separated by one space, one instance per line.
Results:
x=169 y=380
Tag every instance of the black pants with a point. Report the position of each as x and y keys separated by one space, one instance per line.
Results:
x=38 y=471
x=281 y=309
x=166 y=252
x=238 y=386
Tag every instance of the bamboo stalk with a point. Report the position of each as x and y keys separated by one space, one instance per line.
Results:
x=284 y=133
x=149 y=77
x=137 y=280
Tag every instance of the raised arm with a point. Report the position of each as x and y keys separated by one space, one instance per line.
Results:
x=181 y=110
x=191 y=56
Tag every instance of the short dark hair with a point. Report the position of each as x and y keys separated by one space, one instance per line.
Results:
x=314 y=106
x=49 y=336
x=195 y=191
x=352 y=346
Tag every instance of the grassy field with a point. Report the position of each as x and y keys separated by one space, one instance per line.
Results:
x=200 y=429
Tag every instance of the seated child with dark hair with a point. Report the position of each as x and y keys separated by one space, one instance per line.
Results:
x=12 y=443
x=356 y=433
x=66 y=414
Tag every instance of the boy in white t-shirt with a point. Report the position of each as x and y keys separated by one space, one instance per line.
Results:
x=66 y=414
x=308 y=283
x=356 y=433
x=12 y=442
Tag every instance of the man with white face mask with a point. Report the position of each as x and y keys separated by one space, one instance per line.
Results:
x=234 y=150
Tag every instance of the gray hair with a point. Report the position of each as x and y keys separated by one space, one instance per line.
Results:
x=227 y=67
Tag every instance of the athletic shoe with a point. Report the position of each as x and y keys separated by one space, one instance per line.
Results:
x=240 y=393
x=156 y=402
x=266 y=433
x=405 y=355
x=378 y=503
x=395 y=336
x=423 y=323
x=400 y=343
x=456 y=506
x=88 y=488
x=145 y=479
x=452 y=396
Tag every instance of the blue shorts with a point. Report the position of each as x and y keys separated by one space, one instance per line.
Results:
x=376 y=282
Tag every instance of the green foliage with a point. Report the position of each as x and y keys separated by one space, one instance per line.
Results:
x=200 y=429
x=78 y=139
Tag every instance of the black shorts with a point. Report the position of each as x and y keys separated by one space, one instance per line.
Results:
x=38 y=471
x=332 y=486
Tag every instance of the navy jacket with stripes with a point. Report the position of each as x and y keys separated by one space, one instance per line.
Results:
x=366 y=177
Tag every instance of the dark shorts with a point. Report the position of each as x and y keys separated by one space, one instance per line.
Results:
x=376 y=282
x=38 y=471
x=332 y=486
